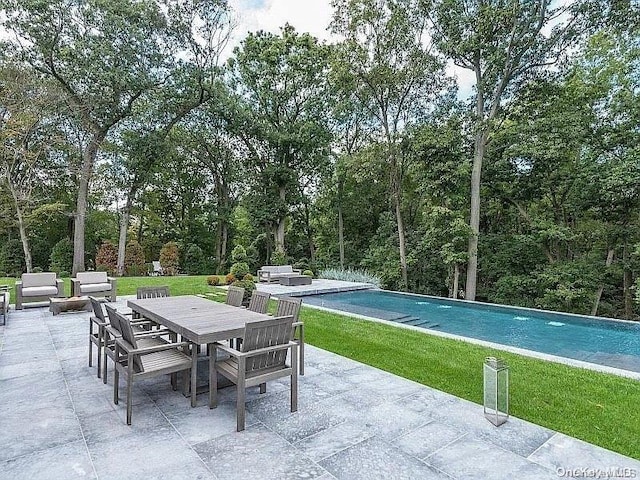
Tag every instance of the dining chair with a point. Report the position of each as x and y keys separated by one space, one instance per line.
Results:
x=261 y=358
x=137 y=361
x=291 y=306
x=235 y=296
x=259 y=301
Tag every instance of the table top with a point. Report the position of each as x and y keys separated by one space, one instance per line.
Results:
x=197 y=319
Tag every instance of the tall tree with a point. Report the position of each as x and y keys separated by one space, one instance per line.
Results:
x=502 y=43
x=386 y=62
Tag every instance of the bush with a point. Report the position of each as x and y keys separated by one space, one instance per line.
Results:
x=194 y=262
x=12 y=258
x=349 y=275
x=279 y=257
x=248 y=285
x=230 y=278
x=134 y=259
x=63 y=274
x=239 y=269
x=107 y=258
x=249 y=277
x=61 y=258
x=169 y=258
x=239 y=254
x=36 y=270
x=213 y=280
x=308 y=273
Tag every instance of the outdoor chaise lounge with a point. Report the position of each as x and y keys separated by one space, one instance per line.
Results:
x=4 y=302
x=273 y=273
x=261 y=358
x=37 y=287
x=97 y=284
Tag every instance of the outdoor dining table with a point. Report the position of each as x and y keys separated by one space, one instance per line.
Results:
x=199 y=321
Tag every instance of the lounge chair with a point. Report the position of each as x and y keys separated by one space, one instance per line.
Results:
x=157 y=268
x=261 y=359
x=98 y=284
x=273 y=273
x=37 y=287
x=4 y=302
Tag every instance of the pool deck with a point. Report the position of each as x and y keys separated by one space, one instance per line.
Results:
x=318 y=286
x=354 y=422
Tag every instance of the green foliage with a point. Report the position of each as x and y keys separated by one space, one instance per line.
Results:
x=279 y=257
x=309 y=273
x=37 y=270
x=249 y=277
x=248 y=285
x=12 y=258
x=61 y=259
x=239 y=254
x=134 y=264
x=229 y=279
x=349 y=275
x=213 y=280
x=194 y=261
x=239 y=269
x=107 y=258
x=170 y=258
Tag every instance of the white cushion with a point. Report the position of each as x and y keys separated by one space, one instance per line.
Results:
x=4 y=298
x=278 y=268
x=91 y=277
x=39 y=291
x=38 y=279
x=95 y=287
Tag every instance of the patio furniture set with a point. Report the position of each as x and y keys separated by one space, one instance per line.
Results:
x=283 y=274
x=165 y=335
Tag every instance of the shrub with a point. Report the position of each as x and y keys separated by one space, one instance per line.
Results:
x=230 y=278
x=36 y=270
x=194 y=262
x=61 y=258
x=279 y=257
x=239 y=254
x=249 y=277
x=107 y=258
x=63 y=274
x=248 y=285
x=239 y=269
x=213 y=280
x=134 y=259
x=308 y=273
x=169 y=258
x=12 y=258
x=349 y=275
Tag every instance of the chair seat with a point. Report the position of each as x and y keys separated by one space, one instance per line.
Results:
x=167 y=359
x=229 y=368
x=94 y=287
x=39 y=291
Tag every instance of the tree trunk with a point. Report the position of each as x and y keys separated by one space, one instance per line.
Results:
x=340 y=226
x=456 y=280
x=224 y=238
x=88 y=159
x=279 y=233
x=627 y=282
x=22 y=228
x=474 y=218
x=596 y=302
x=122 y=239
x=141 y=224
x=401 y=241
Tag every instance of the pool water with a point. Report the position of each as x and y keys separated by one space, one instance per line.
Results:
x=604 y=342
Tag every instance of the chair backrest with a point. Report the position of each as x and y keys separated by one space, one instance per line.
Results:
x=153 y=292
x=267 y=333
x=114 y=318
x=45 y=279
x=97 y=309
x=127 y=335
x=278 y=268
x=259 y=301
x=235 y=296
x=289 y=306
x=91 y=277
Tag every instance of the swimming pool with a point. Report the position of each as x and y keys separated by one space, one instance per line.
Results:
x=604 y=342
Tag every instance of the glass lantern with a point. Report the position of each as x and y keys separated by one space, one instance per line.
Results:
x=496 y=390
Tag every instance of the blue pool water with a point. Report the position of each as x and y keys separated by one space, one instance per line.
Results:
x=604 y=342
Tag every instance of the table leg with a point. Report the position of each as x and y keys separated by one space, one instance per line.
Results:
x=213 y=376
x=194 y=373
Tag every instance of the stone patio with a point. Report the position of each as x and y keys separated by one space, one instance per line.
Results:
x=58 y=421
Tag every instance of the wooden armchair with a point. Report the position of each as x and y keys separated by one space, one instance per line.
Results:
x=261 y=359
x=289 y=306
x=259 y=301
x=137 y=362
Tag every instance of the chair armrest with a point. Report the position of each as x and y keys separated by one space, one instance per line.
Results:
x=297 y=270
x=75 y=286
x=60 y=286
x=238 y=354
x=126 y=346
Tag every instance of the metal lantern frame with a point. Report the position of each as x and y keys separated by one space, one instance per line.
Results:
x=496 y=390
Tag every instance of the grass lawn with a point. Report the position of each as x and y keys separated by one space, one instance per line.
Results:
x=595 y=407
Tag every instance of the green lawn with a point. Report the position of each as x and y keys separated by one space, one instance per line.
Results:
x=595 y=407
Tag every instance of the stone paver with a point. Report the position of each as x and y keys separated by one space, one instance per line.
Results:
x=58 y=420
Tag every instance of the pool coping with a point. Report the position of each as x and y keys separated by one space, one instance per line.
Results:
x=498 y=346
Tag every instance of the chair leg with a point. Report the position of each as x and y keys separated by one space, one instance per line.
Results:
x=174 y=381
x=104 y=366
x=129 y=399
x=116 y=378
x=302 y=349
x=100 y=347
x=91 y=346
x=294 y=379
x=263 y=388
x=240 y=406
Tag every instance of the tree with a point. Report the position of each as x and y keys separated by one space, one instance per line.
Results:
x=502 y=43
x=392 y=73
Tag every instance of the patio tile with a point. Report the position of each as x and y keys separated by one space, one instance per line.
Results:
x=256 y=453
x=109 y=425
x=374 y=459
x=29 y=368
x=35 y=391
x=157 y=453
x=471 y=459
x=563 y=452
x=390 y=420
x=332 y=440
x=67 y=462
x=41 y=428
x=426 y=439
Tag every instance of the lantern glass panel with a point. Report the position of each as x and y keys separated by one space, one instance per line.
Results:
x=496 y=390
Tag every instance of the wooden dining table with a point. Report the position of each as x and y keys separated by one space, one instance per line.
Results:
x=199 y=321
